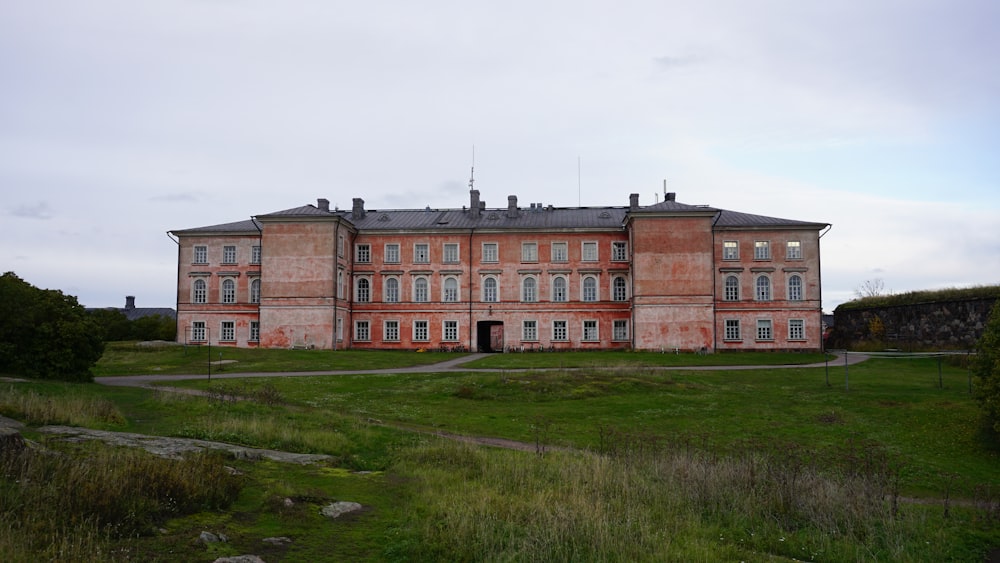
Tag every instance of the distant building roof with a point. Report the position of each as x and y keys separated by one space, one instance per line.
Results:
x=132 y=312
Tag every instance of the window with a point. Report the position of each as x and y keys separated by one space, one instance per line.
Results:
x=764 y=329
x=490 y=290
x=619 y=251
x=255 y=290
x=390 y=331
x=590 y=288
x=730 y=250
x=619 y=289
x=228 y=254
x=560 y=252
x=254 y=331
x=340 y=329
x=619 y=330
x=198 y=331
x=228 y=291
x=200 y=292
x=590 y=331
x=340 y=283
x=762 y=250
x=529 y=252
x=420 y=290
x=228 y=333
x=793 y=250
x=796 y=329
x=763 y=288
x=451 y=253
x=421 y=253
x=732 y=329
x=559 y=331
x=392 y=290
x=529 y=331
x=363 y=291
x=392 y=253
x=451 y=331
x=420 y=332
x=362 y=331
x=559 y=289
x=529 y=290
x=795 y=288
x=340 y=246
x=732 y=289
x=363 y=253
x=255 y=254
x=201 y=255
x=490 y=253
x=589 y=252
x=450 y=290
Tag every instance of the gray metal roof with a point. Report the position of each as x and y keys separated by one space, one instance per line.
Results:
x=528 y=218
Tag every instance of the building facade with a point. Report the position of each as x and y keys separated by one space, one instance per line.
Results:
x=663 y=277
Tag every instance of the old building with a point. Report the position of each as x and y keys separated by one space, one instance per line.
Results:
x=665 y=277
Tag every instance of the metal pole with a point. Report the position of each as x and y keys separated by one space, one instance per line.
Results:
x=208 y=333
x=940 y=382
x=847 y=374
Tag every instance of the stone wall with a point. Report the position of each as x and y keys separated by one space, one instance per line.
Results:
x=956 y=324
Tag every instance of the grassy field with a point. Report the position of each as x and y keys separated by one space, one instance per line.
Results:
x=630 y=461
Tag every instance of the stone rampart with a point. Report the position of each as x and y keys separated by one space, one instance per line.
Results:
x=955 y=324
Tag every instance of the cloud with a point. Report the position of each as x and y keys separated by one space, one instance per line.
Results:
x=40 y=210
x=181 y=197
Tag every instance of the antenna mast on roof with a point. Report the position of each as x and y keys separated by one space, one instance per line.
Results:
x=578 y=204
x=472 y=172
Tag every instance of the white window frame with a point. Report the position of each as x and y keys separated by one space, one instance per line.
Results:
x=363 y=289
x=421 y=289
x=227 y=331
x=391 y=253
x=731 y=332
x=589 y=251
x=730 y=250
x=762 y=250
x=560 y=331
x=362 y=331
x=198 y=331
x=229 y=254
x=529 y=252
x=363 y=253
x=491 y=295
x=590 y=295
x=765 y=330
x=529 y=330
x=390 y=331
x=731 y=288
x=390 y=289
x=199 y=291
x=591 y=331
x=793 y=250
x=450 y=252
x=560 y=289
x=762 y=288
x=254 y=335
x=449 y=331
x=255 y=254
x=450 y=294
x=619 y=251
x=227 y=291
x=796 y=329
x=619 y=330
x=255 y=290
x=340 y=283
x=619 y=289
x=421 y=253
x=491 y=252
x=200 y=254
x=560 y=251
x=795 y=287
x=421 y=330
x=529 y=289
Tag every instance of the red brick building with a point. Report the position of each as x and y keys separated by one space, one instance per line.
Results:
x=661 y=277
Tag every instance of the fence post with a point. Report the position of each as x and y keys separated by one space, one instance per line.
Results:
x=847 y=374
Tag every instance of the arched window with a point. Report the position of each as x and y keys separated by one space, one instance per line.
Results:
x=228 y=291
x=732 y=292
x=490 y=290
x=255 y=290
x=364 y=291
x=559 y=289
x=763 y=289
x=529 y=290
x=795 y=288
x=200 y=291
x=450 y=290
x=619 y=289
x=392 y=290
x=420 y=290
x=590 y=288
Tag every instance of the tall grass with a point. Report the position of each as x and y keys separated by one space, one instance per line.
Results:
x=657 y=505
x=72 y=506
x=34 y=408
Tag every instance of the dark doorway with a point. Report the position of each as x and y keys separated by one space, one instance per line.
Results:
x=489 y=336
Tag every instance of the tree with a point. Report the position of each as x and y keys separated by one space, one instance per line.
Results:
x=45 y=333
x=870 y=288
x=987 y=369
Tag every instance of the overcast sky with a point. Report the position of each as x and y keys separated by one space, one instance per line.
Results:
x=121 y=120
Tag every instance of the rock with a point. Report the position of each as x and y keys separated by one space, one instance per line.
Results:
x=209 y=537
x=280 y=540
x=240 y=559
x=339 y=508
x=11 y=441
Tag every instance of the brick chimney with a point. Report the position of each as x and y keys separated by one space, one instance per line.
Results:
x=633 y=202
x=474 y=203
x=512 y=206
x=323 y=204
x=358 y=211
x=671 y=196
x=129 y=302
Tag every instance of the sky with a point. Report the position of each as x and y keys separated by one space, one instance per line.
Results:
x=123 y=120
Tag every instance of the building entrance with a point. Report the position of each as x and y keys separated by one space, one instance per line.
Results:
x=489 y=336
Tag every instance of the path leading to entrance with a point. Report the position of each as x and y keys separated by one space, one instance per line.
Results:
x=454 y=364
